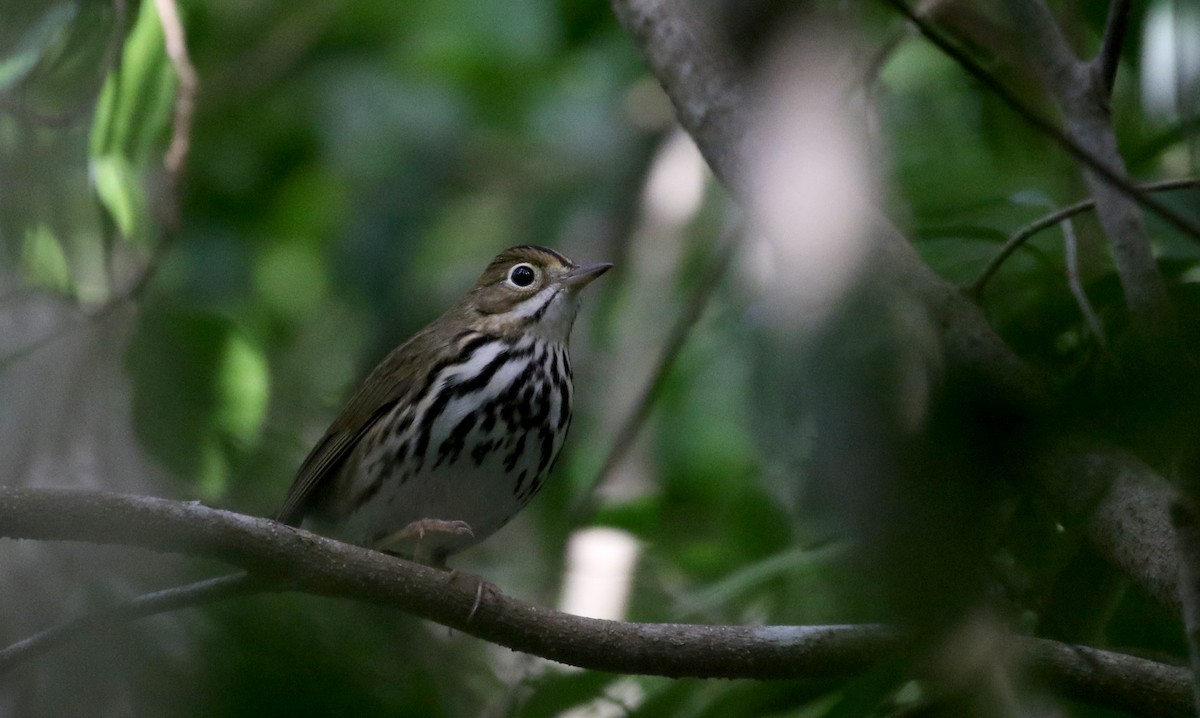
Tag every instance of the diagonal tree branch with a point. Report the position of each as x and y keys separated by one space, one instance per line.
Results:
x=1122 y=506
x=1185 y=516
x=317 y=565
x=151 y=604
x=703 y=80
x=708 y=91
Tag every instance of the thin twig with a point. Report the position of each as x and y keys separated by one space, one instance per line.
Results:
x=150 y=604
x=1184 y=224
x=706 y=285
x=175 y=158
x=37 y=344
x=1109 y=56
x=185 y=102
x=1071 y=252
x=1022 y=235
x=873 y=67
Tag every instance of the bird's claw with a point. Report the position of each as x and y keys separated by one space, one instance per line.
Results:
x=481 y=587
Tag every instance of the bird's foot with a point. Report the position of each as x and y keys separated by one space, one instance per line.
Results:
x=418 y=530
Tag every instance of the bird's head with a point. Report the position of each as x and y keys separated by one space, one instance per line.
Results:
x=531 y=289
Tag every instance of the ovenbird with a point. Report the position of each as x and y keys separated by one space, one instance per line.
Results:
x=456 y=429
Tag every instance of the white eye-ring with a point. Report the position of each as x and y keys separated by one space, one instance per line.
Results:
x=522 y=275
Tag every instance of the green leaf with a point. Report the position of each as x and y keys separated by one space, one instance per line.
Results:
x=291 y=278
x=43 y=261
x=863 y=695
x=134 y=109
x=121 y=193
x=555 y=693
x=243 y=386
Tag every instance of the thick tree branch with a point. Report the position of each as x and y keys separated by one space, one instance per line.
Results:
x=314 y=564
x=702 y=78
x=321 y=566
x=1122 y=506
x=1185 y=516
x=709 y=93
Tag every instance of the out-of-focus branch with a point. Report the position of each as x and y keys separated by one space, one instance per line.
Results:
x=1081 y=93
x=714 y=107
x=313 y=564
x=709 y=92
x=694 y=306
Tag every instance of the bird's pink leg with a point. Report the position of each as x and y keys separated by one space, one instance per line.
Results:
x=417 y=530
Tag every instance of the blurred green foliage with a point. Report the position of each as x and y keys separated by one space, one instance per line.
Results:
x=353 y=165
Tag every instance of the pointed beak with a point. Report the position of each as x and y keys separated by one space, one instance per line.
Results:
x=580 y=277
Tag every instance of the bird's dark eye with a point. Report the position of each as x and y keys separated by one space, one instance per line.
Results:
x=522 y=275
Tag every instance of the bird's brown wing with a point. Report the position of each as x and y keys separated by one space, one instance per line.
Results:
x=323 y=462
x=387 y=384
